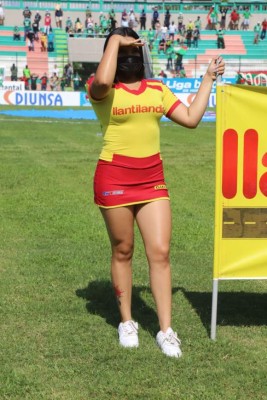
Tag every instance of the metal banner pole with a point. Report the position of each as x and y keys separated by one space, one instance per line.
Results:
x=214 y=307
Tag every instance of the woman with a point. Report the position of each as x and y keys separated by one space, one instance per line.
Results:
x=129 y=183
x=78 y=26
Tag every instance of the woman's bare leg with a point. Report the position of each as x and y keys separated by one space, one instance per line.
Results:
x=154 y=222
x=120 y=227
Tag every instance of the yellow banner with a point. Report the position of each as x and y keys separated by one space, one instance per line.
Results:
x=240 y=247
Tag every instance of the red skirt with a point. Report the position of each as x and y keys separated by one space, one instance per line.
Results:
x=129 y=180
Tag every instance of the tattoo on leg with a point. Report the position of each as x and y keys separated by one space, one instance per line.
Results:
x=118 y=294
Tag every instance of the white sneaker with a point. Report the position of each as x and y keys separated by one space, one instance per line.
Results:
x=128 y=334
x=169 y=343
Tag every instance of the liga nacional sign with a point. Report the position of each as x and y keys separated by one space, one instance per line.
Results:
x=240 y=245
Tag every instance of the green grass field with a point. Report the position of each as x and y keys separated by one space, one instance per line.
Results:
x=58 y=314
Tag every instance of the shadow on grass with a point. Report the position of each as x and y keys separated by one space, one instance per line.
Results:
x=234 y=308
x=101 y=301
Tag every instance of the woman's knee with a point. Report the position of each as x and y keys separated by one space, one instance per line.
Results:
x=159 y=255
x=123 y=251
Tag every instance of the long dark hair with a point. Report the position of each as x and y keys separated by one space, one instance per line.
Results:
x=127 y=32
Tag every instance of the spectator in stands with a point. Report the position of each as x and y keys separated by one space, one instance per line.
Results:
x=178 y=62
x=31 y=35
x=26 y=72
x=14 y=72
x=35 y=29
x=58 y=15
x=197 y=23
x=167 y=18
x=257 y=30
x=195 y=37
x=50 y=40
x=89 y=22
x=190 y=26
x=37 y=19
x=30 y=40
x=162 y=46
x=53 y=82
x=164 y=32
x=43 y=42
x=209 y=19
x=66 y=68
x=223 y=11
x=34 y=78
x=112 y=19
x=76 y=81
x=27 y=27
x=180 y=40
x=124 y=19
x=213 y=18
x=68 y=25
x=155 y=17
x=220 y=38
x=63 y=81
x=162 y=74
x=101 y=17
x=44 y=80
x=69 y=72
x=27 y=13
x=180 y=22
x=55 y=70
x=263 y=29
x=143 y=20
x=132 y=20
x=188 y=37
x=151 y=38
x=16 y=33
x=170 y=57
x=78 y=27
x=172 y=31
x=2 y=14
x=96 y=30
x=246 y=15
x=87 y=12
x=105 y=26
x=234 y=20
x=47 y=23
x=26 y=82
x=30 y=44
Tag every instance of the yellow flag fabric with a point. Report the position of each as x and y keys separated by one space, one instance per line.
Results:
x=240 y=245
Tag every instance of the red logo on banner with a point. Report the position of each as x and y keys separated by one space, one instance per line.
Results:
x=250 y=165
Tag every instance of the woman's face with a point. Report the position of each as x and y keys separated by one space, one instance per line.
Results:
x=129 y=64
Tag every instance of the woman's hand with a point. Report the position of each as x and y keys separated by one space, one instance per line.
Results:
x=127 y=41
x=216 y=67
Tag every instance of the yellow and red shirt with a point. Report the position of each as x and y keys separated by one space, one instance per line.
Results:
x=130 y=119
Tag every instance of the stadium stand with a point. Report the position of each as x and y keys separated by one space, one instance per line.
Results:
x=240 y=52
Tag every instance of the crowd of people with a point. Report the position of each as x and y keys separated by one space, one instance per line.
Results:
x=218 y=18
x=55 y=82
x=37 y=32
x=225 y=17
x=166 y=33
